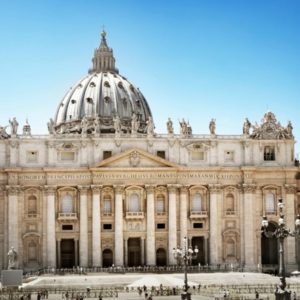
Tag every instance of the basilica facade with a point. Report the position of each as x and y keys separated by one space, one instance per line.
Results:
x=103 y=188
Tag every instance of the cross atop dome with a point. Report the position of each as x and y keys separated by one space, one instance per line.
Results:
x=103 y=60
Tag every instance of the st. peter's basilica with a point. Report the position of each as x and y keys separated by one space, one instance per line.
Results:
x=103 y=188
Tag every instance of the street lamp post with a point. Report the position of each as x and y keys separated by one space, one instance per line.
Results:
x=281 y=233
x=186 y=254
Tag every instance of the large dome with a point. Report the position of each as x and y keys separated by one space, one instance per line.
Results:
x=101 y=97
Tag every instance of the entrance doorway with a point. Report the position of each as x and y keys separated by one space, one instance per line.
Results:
x=134 y=252
x=67 y=253
x=107 y=257
x=161 y=257
x=199 y=242
x=269 y=249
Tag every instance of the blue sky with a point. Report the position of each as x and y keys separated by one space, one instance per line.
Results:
x=191 y=59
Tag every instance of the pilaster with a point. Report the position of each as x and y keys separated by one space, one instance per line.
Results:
x=96 y=232
x=249 y=226
x=83 y=230
x=183 y=213
x=119 y=245
x=214 y=232
x=290 y=249
x=51 y=242
x=150 y=240
x=172 y=237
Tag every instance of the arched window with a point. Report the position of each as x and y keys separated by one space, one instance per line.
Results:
x=32 y=205
x=107 y=205
x=67 y=204
x=270 y=203
x=160 y=204
x=134 y=203
x=229 y=203
x=197 y=202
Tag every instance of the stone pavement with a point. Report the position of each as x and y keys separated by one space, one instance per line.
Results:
x=212 y=285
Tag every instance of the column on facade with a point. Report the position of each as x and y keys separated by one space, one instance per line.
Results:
x=13 y=213
x=249 y=226
x=290 y=223
x=119 y=249
x=183 y=214
x=76 y=252
x=150 y=240
x=172 y=238
x=214 y=234
x=83 y=228
x=142 y=251
x=126 y=252
x=51 y=239
x=96 y=227
x=58 y=253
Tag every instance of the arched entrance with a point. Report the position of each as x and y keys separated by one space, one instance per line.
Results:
x=199 y=242
x=67 y=247
x=107 y=258
x=269 y=249
x=134 y=252
x=161 y=257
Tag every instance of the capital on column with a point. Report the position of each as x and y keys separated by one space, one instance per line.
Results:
x=215 y=188
x=119 y=189
x=50 y=189
x=290 y=188
x=96 y=189
x=13 y=189
x=172 y=188
x=150 y=188
x=249 y=188
x=83 y=189
x=184 y=189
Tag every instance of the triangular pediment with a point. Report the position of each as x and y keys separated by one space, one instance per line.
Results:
x=135 y=158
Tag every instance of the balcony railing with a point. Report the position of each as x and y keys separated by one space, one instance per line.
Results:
x=197 y=214
x=32 y=215
x=134 y=215
x=160 y=213
x=230 y=212
x=67 y=216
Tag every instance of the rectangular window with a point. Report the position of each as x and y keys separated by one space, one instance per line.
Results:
x=160 y=205
x=107 y=154
x=161 y=226
x=107 y=206
x=67 y=227
x=161 y=154
x=269 y=153
x=67 y=156
x=32 y=156
x=197 y=225
x=197 y=155
x=107 y=226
